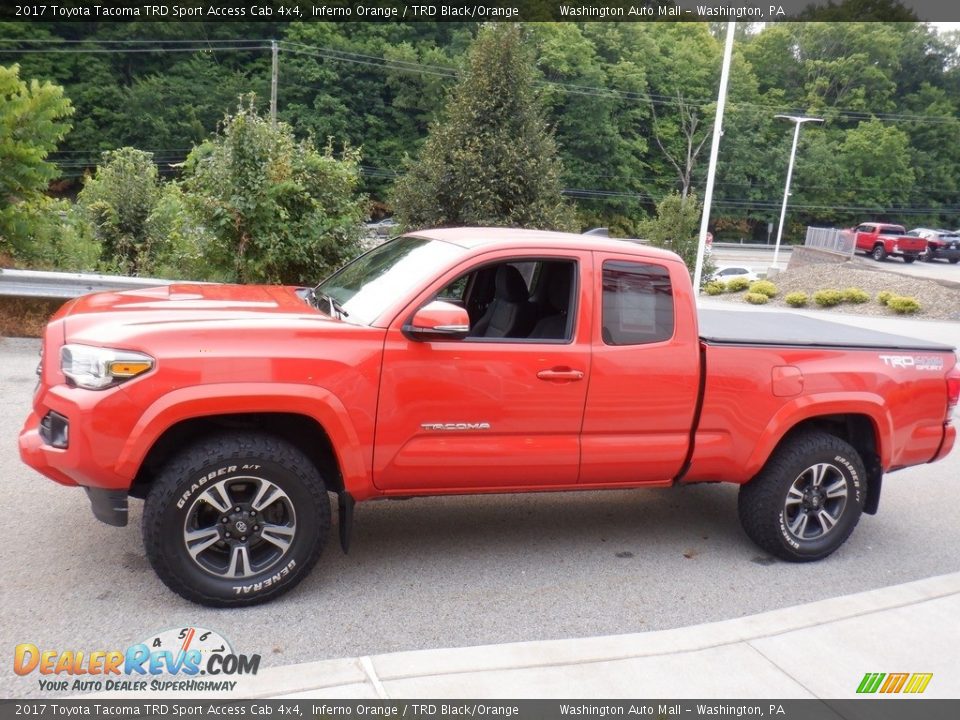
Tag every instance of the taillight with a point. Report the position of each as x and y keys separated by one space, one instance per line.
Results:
x=953 y=389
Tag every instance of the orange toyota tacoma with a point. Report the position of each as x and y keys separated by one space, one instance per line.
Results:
x=459 y=361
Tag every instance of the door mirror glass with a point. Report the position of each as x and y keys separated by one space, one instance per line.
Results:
x=439 y=320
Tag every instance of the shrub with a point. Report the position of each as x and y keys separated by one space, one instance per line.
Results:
x=796 y=299
x=755 y=298
x=764 y=287
x=855 y=295
x=737 y=284
x=714 y=287
x=828 y=298
x=903 y=305
x=883 y=297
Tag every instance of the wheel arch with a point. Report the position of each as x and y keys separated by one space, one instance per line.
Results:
x=309 y=417
x=301 y=431
x=862 y=432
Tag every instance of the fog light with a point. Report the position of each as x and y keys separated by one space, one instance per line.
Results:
x=55 y=430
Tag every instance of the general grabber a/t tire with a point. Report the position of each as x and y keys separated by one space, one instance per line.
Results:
x=236 y=519
x=807 y=499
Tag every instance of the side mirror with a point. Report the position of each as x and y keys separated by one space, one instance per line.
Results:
x=438 y=320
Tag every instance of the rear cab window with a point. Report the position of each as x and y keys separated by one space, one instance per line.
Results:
x=638 y=305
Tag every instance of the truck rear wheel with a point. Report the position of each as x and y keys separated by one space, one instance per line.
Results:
x=909 y=259
x=236 y=519
x=807 y=499
x=879 y=254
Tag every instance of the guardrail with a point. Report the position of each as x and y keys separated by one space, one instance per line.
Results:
x=36 y=284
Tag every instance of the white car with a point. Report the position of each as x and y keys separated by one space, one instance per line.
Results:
x=729 y=272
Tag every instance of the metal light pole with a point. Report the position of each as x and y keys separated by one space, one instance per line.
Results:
x=714 y=149
x=798 y=120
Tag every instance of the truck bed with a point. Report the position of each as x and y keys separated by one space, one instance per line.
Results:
x=773 y=329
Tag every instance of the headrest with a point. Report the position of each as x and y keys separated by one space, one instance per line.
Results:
x=558 y=287
x=510 y=285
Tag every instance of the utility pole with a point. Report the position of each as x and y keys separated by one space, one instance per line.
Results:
x=275 y=71
x=798 y=120
x=714 y=149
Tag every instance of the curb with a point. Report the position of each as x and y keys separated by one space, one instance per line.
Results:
x=448 y=668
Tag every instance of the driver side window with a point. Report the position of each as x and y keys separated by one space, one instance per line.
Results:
x=529 y=299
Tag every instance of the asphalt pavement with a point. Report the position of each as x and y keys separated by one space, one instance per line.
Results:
x=452 y=572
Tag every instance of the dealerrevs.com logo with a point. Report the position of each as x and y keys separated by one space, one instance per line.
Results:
x=181 y=660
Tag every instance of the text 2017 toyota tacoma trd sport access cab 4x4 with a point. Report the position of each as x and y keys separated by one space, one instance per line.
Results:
x=464 y=361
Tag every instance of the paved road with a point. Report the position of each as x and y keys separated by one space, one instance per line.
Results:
x=448 y=572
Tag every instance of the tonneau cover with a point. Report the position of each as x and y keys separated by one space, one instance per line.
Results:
x=736 y=327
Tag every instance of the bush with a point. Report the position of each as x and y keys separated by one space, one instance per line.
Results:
x=855 y=295
x=755 y=298
x=715 y=287
x=796 y=299
x=883 y=297
x=828 y=298
x=903 y=305
x=764 y=287
x=737 y=284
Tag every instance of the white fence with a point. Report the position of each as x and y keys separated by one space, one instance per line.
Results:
x=838 y=241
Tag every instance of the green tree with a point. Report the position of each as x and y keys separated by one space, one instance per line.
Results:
x=277 y=209
x=677 y=228
x=492 y=159
x=33 y=119
x=118 y=201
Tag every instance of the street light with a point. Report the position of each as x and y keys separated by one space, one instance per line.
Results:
x=798 y=120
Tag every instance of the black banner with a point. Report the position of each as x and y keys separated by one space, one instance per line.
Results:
x=483 y=10
x=873 y=709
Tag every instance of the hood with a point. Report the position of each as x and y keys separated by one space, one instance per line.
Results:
x=193 y=305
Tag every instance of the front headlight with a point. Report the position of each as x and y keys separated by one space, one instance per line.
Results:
x=97 y=368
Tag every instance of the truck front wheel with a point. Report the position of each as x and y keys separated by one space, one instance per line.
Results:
x=236 y=519
x=879 y=254
x=807 y=499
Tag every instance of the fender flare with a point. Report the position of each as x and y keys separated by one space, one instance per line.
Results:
x=813 y=406
x=199 y=401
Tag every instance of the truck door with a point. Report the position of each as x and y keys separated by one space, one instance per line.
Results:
x=644 y=378
x=502 y=408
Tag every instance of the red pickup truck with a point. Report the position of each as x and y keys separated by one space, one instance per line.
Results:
x=881 y=240
x=458 y=361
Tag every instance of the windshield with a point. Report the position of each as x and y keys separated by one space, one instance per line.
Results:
x=361 y=290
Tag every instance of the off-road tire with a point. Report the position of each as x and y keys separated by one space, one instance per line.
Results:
x=231 y=457
x=762 y=503
x=879 y=253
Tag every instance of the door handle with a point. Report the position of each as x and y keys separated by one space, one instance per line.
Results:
x=560 y=375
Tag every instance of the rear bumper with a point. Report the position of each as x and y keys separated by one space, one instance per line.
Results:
x=949 y=438
x=946 y=254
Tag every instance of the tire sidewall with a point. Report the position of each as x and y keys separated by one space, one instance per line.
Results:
x=855 y=475
x=298 y=559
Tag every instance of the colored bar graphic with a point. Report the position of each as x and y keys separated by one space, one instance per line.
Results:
x=913 y=683
x=895 y=682
x=870 y=682
x=918 y=683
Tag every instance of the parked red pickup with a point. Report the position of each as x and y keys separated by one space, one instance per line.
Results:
x=882 y=240
x=465 y=361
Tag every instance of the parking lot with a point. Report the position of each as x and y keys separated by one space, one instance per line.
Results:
x=760 y=257
x=447 y=572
